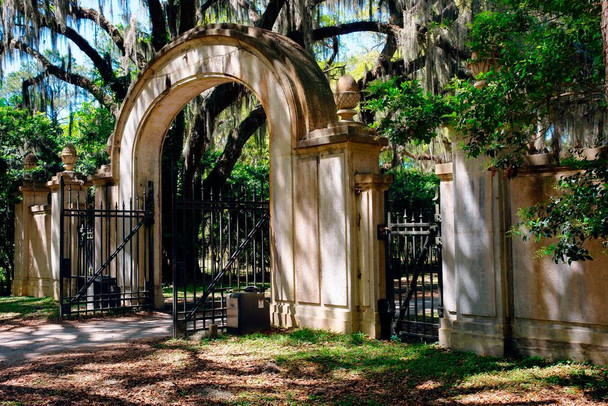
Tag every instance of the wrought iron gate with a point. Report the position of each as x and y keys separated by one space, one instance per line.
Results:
x=221 y=244
x=414 y=273
x=105 y=257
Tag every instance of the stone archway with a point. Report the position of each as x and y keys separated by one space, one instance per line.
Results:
x=318 y=244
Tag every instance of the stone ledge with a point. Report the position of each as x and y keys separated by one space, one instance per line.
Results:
x=102 y=176
x=546 y=163
x=340 y=133
x=34 y=187
x=70 y=179
x=40 y=209
x=445 y=172
x=368 y=180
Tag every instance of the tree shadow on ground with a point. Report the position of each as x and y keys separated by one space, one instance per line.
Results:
x=299 y=367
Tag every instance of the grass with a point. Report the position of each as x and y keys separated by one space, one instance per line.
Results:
x=298 y=367
x=301 y=366
x=26 y=307
x=402 y=367
x=392 y=369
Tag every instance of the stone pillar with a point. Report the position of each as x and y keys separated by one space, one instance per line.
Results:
x=73 y=194
x=32 y=238
x=477 y=266
x=445 y=173
x=371 y=275
x=337 y=272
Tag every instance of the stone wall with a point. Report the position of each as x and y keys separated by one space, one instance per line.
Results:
x=499 y=297
x=33 y=273
x=37 y=228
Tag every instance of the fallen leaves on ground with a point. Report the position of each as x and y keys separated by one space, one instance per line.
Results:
x=260 y=370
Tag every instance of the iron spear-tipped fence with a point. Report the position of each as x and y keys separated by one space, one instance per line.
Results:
x=414 y=273
x=221 y=245
x=106 y=261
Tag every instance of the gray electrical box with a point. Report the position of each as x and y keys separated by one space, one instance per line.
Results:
x=247 y=313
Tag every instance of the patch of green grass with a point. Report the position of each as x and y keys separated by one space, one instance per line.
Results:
x=317 y=353
x=12 y=307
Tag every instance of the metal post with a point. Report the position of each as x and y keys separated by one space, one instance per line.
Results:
x=63 y=310
x=176 y=331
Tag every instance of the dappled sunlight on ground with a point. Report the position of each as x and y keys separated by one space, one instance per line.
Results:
x=298 y=367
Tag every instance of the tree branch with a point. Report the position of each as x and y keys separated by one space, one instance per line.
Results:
x=357 y=26
x=90 y=14
x=69 y=77
x=159 y=25
x=234 y=147
x=103 y=66
x=27 y=83
x=270 y=15
x=207 y=5
x=187 y=15
x=334 y=54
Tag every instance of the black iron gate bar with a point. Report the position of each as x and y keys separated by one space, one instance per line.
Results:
x=227 y=250
x=227 y=266
x=414 y=253
x=123 y=277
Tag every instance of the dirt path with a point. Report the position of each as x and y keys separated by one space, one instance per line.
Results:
x=24 y=341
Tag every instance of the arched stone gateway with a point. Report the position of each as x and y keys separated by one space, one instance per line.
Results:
x=325 y=188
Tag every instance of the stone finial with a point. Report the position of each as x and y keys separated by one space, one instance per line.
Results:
x=479 y=66
x=30 y=161
x=347 y=97
x=69 y=157
x=109 y=144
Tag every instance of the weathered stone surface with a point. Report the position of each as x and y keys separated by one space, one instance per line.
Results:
x=511 y=300
x=313 y=227
x=325 y=190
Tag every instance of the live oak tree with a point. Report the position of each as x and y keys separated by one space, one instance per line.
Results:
x=116 y=45
x=118 y=52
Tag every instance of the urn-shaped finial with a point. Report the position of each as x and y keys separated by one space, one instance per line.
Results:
x=69 y=157
x=347 y=97
x=30 y=161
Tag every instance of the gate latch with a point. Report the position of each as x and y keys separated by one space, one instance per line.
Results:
x=383 y=231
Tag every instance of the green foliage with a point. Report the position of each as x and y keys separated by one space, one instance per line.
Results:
x=413 y=190
x=90 y=128
x=249 y=175
x=541 y=53
x=578 y=213
x=408 y=113
x=20 y=134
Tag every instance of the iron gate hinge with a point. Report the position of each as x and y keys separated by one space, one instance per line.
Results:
x=383 y=231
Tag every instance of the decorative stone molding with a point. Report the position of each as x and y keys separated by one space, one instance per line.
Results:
x=30 y=162
x=102 y=176
x=69 y=157
x=69 y=178
x=339 y=133
x=445 y=172
x=380 y=181
x=479 y=66
x=347 y=98
x=40 y=209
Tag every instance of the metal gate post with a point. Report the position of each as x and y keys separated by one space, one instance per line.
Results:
x=63 y=309
x=177 y=330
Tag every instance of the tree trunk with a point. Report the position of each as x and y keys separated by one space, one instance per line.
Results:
x=234 y=146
